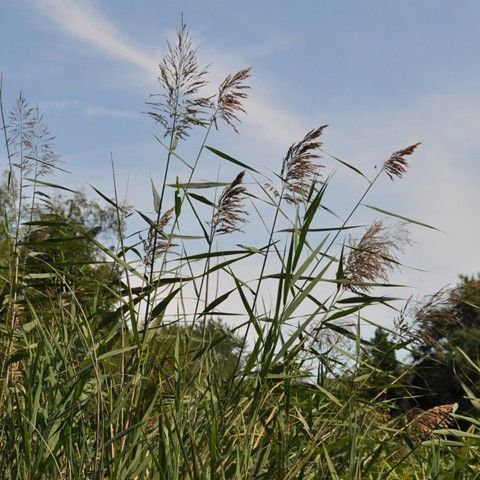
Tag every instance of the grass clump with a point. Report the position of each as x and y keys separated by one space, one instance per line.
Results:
x=115 y=361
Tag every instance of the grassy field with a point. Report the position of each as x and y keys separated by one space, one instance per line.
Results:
x=121 y=359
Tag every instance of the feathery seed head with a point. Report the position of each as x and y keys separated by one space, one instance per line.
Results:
x=30 y=139
x=299 y=169
x=230 y=212
x=231 y=94
x=434 y=317
x=397 y=164
x=372 y=257
x=180 y=78
x=425 y=422
x=154 y=244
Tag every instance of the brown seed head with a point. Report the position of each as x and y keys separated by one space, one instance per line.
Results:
x=397 y=164
x=180 y=106
x=230 y=212
x=374 y=255
x=231 y=94
x=154 y=243
x=299 y=169
x=426 y=421
x=433 y=318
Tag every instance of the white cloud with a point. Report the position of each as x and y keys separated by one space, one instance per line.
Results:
x=90 y=109
x=82 y=20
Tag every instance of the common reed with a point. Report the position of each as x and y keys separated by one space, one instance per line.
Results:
x=230 y=212
x=231 y=95
x=127 y=372
x=424 y=423
x=152 y=245
x=372 y=257
x=396 y=165
x=180 y=106
x=299 y=167
x=426 y=321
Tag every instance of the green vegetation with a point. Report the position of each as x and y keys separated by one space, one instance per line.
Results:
x=127 y=356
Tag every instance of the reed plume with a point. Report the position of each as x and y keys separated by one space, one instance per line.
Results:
x=153 y=245
x=299 y=169
x=372 y=257
x=434 y=317
x=396 y=165
x=424 y=422
x=42 y=152
x=30 y=139
x=231 y=94
x=19 y=130
x=180 y=78
x=230 y=212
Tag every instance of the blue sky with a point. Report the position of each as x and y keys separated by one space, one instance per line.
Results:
x=383 y=74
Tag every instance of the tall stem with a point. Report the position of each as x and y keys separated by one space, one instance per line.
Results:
x=155 y=234
x=262 y=272
x=182 y=199
x=4 y=128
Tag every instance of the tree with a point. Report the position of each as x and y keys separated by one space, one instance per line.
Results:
x=447 y=325
x=45 y=240
x=223 y=346
x=381 y=365
x=56 y=254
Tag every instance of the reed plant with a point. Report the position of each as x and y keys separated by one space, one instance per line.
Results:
x=109 y=369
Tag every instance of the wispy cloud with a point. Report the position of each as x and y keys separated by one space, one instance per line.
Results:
x=90 y=109
x=83 y=20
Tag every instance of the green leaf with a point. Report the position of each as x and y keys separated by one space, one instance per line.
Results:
x=344 y=313
x=51 y=185
x=301 y=270
x=178 y=201
x=216 y=302
x=367 y=299
x=38 y=223
x=348 y=165
x=184 y=237
x=150 y=222
x=113 y=353
x=248 y=309
x=172 y=152
x=200 y=223
x=202 y=199
x=109 y=200
x=329 y=229
x=160 y=308
x=156 y=198
x=340 y=274
x=230 y=159
x=297 y=301
x=39 y=276
x=222 y=253
x=363 y=284
x=457 y=433
x=401 y=217
x=333 y=472
x=309 y=216
x=197 y=185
